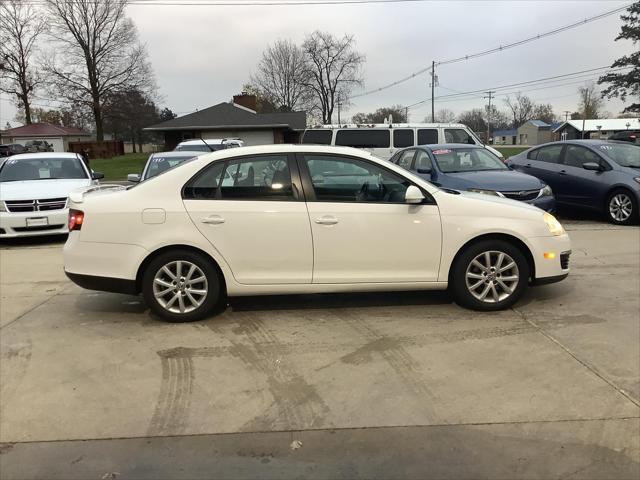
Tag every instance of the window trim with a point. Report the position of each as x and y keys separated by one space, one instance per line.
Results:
x=296 y=183
x=310 y=193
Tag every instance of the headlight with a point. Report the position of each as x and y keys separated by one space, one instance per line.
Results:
x=546 y=191
x=637 y=179
x=486 y=192
x=553 y=225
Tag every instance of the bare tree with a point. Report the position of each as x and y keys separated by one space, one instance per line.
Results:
x=444 y=115
x=521 y=108
x=282 y=76
x=590 y=101
x=20 y=27
x=333 y=68
x=397 y=113
x=100 y=55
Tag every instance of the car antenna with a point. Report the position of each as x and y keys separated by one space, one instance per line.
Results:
x=208 y=146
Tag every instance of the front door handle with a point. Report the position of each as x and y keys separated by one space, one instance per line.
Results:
x=327 y=220
x=213 y=220
x=528 y=165
x=563 y=172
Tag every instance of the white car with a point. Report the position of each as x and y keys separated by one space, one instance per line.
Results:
x=208 y=145
x=305 y=219
x=34 y=188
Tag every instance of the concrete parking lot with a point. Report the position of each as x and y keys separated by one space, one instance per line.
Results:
x=326 y=386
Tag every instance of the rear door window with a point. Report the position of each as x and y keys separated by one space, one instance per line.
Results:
x=550 y=154
x=427 y=136
x=406 y=159
x=317 y=137
x=403 y=138
x=363 y=138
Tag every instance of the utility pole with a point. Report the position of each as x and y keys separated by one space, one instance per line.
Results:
x=406 y=114
x=433 y=87
x=339 y=105
x=489 y=96
x=566 y=115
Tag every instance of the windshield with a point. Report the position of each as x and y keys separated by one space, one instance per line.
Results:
x=451 y=160
x=199 y=148
x=14 y=170
x=159 y=164
x=625 y=155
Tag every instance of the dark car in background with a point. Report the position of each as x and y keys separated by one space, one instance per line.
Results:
x=11 y=149
x=632 y=136
x=600 y=175
x=473 y=168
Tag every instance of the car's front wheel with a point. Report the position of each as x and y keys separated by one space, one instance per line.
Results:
x=181 y=286
x=489 y=275
x=622 y=208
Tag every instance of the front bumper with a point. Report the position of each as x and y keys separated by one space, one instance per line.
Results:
x=14 y=225
x=550 y=270
x=547 y=203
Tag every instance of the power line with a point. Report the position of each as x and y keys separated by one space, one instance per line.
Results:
x=529 y=82
x=495 y=50
x=249 y=3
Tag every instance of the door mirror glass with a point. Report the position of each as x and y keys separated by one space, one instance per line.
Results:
x=97 y=175
x=413 y=195
x=133 y=177
x=592 y=166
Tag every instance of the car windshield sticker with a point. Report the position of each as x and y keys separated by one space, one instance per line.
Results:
x=441 y=152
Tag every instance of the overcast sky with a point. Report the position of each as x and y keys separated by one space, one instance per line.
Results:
x=202 y=55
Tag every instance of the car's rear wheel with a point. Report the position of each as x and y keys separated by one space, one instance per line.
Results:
x=489 y=275
x=181 y=286
x=621 y=208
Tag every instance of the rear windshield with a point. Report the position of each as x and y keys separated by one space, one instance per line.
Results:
x=625 y=155
x=159 y=164
x=14 y=170
x=317 y=137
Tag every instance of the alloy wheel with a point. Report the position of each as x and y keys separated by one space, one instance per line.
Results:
x=492 y=276
x=180 y=286
x=620 y=207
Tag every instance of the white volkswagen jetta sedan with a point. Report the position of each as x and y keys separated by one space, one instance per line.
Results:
x=305 y=219
x=33 y=192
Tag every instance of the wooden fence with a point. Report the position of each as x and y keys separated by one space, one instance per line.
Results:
x=107 y=149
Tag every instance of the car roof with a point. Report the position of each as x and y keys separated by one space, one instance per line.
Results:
x=209 y=141
x=587 y=142
x=440 y=146
x=34 y=156
x=178 y=154
x=372 y=126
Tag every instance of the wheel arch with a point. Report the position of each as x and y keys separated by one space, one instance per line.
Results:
x=149 y=258
x=522 y=246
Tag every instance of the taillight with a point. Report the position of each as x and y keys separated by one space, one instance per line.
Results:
x=76 y=218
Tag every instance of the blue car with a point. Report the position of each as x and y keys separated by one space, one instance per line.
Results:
x=596 y=174
x=473 y=168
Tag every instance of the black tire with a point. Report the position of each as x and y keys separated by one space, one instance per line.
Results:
x=458 y=276
x=610 y=207
x=209 y=303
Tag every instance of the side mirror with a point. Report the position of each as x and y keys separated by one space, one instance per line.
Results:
x=97 y=175
x=413 y=195
x=133 y=177
x=424 y=171
x=592 y=166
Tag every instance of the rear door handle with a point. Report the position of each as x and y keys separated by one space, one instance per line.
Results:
x=563 y=172
x=528 y=165
x=213 y=220
x=327 y=220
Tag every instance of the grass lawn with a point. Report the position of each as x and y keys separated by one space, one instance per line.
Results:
x=117 y=168
x=510 y=150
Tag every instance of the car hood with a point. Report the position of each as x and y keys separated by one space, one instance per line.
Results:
x=492 y=199
x=40 y=189
x=499 y=180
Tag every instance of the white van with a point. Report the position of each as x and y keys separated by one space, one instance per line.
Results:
x=384 y=139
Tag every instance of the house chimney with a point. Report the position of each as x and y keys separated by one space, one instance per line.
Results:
x=246 y=100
